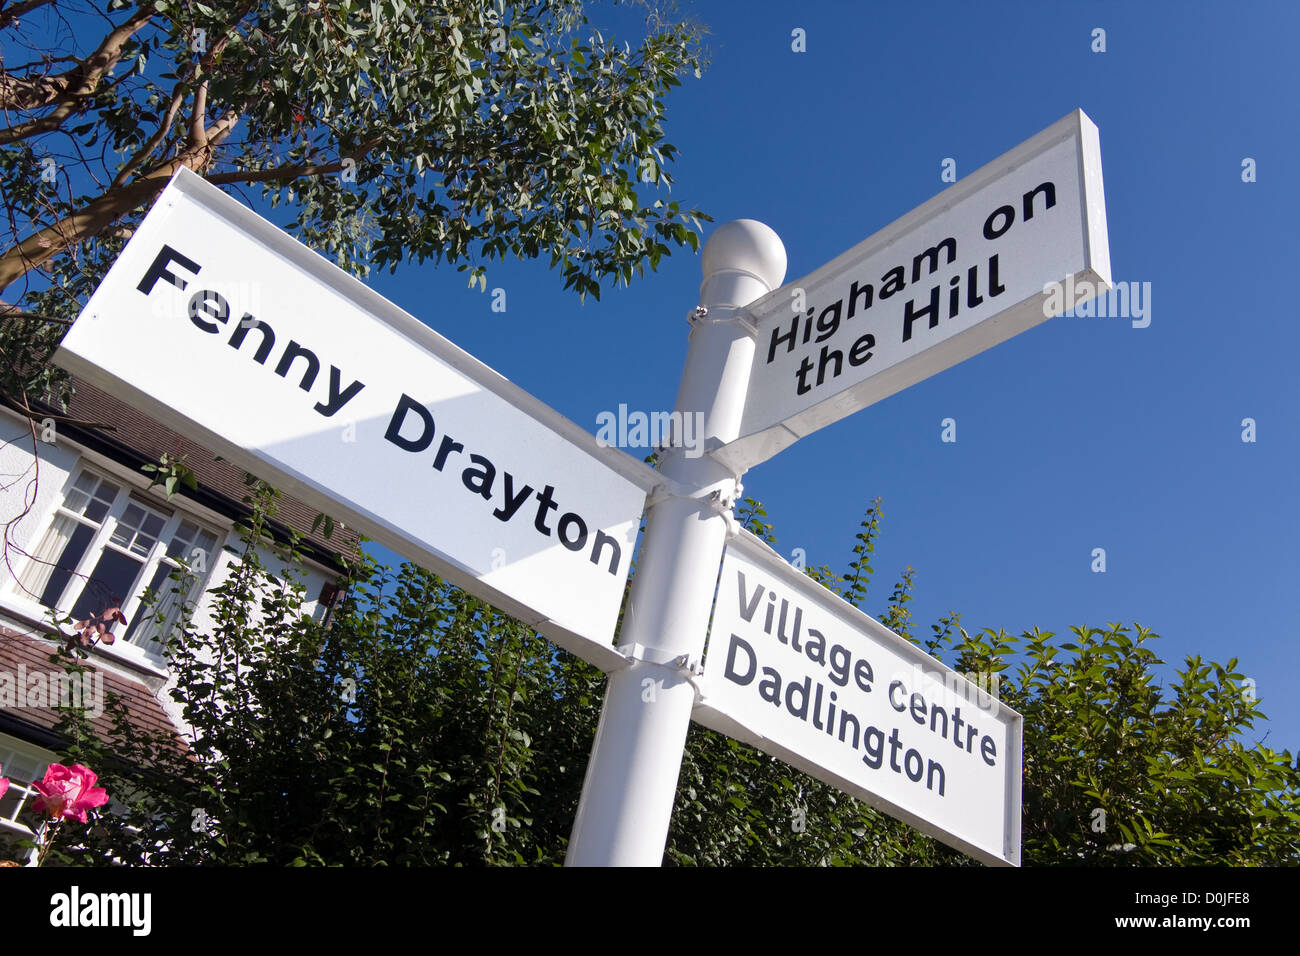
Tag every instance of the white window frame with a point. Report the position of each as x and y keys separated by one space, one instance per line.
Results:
x=127 y=493
x=11 y=747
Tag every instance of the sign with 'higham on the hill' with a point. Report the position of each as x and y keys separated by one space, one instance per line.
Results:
x=225 y=328
x=962 y=272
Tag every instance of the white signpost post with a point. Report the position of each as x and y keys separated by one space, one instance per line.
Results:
x=767 y=365
x=220 y=325
x=803 y=675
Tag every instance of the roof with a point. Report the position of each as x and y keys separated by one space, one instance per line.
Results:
x=32 y=654
x=135 y=439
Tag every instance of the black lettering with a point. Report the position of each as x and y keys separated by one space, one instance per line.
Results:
x=861 y=350
x=241 y=330
x=513 y=501
x=898 y=707
x=407 y=404
x=158 y=269
x=1048 y=189
x=1009 y=216
x=777 y=339
x=895 y=280
x=932 y=256
x=826 y=329
x=894 y=744
x=292 y=351
x=801 y=373
x=337 y=399
x=579 y=542
x=213 y=305
x=907 y=765
x=931 y=767
x=996 y=288
x=866 y=291
x=910 y=314
x=864 y=680
x=616 y=555
x=748 y=605
x=730 y=672
x=545 y=504
x=827 y=354
x=973 y=297
x=479 y=480
x=448 y=446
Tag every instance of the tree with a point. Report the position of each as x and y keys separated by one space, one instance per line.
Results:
x=421 y=726
x=459 y=131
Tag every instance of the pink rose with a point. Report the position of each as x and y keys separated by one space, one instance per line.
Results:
x=69 y=792
x=4 y=784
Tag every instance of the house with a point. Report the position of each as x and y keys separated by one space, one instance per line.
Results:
x=84 y=533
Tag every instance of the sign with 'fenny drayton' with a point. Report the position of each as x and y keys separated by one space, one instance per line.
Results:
x=801 y=674
x=225 y=328
x=966 y=270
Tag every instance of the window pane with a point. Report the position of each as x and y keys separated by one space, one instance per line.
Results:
x=76 y=501
x=153 y=526
x=137 y=529
x=127 y=525
x=145 y=629
x=186 y=540
x=182 y=540
x=102 y=499
x=54 y=562
x=110 y=584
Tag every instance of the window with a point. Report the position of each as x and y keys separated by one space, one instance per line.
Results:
x=105 y=546
x=22 y=764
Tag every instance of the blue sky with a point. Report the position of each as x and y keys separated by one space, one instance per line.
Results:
x=1081 y=433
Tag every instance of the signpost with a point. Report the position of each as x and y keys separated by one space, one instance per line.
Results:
x=958 y=274
x=223 y=327
x=220 y=325
x=803 y=675
x=766 y=367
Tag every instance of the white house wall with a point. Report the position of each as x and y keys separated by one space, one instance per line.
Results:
x=56 y=463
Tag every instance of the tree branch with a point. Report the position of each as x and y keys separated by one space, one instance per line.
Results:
x=69 y=90
x=8 y=311
x=11 y=12
x=99 y=214
x=287 y=173
x=198 y=135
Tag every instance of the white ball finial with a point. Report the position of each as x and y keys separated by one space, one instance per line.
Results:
x=742 y=247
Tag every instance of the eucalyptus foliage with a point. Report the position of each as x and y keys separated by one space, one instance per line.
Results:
x=461 y=131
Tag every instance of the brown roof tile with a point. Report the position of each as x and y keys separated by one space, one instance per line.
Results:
x=32 y=655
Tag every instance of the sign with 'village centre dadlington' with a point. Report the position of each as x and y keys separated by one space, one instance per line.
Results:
x=801 y=674
x=223 y=327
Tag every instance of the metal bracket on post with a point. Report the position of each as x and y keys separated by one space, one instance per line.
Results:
x=690 y=668
x=726 y=505
x=724 y=313
x=669 y=489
